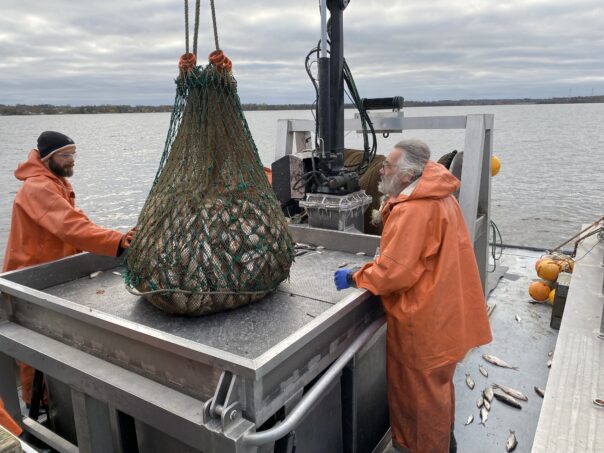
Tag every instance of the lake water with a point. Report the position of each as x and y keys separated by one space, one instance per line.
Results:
x=551 y=180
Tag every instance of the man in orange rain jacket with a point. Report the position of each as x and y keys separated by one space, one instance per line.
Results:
x=45 y=224
x=428 y=280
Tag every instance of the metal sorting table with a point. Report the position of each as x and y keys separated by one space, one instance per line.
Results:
x=273 y=347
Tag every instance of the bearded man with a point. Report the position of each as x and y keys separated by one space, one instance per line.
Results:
x=46 y=225
x=427 y=278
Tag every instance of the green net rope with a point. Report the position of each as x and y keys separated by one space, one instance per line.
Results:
x=211 y=235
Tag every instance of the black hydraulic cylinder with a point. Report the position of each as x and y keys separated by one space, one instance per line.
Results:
x=336 y=11
x=324 y=100
x=393 y=103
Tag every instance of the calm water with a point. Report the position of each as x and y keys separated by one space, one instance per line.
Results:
x=551 y=180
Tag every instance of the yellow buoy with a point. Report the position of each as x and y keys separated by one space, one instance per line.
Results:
x=551 y=297
x=495 y=165
x=539 y=291
x=548 y=270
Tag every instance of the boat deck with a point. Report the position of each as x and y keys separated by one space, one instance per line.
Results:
x=524 y=343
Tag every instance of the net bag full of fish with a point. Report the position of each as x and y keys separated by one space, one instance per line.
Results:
x=211 y=235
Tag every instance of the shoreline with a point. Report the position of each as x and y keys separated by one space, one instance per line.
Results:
x=48 y=109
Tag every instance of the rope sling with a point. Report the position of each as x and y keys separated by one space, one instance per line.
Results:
x=211 y=235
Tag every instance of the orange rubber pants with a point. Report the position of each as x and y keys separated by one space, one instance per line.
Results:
x=26 y=376
x=422 y=408
x=8 y=422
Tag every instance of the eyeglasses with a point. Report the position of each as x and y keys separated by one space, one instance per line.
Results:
x=67 y=156
x=386 y=164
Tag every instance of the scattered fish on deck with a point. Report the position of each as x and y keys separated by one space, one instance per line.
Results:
x=470 y=420
x=507 y=399
x=342 y=265
x=484 y=415
x=483 y=371
x=497 y=361
x=551 y=353
x=518 y=318
x=487 y=405
x=95 y=274
x=303 y=246
x=488 y=394
x=549 y=363
x=512 y=442
x=479 y=402
x=469 y=381
x=540 y=392
x=117 y=273
x=361 y=253
x=512 y=392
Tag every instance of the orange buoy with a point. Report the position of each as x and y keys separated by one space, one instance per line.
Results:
x=548 y=270
x=541 y=260
x=552 y=296
x=539 y=291
x=495 y=165
x=567 y=265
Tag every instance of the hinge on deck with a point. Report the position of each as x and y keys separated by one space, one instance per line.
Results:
x=224 y=405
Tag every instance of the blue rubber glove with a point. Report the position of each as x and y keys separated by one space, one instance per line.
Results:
x=342 y=278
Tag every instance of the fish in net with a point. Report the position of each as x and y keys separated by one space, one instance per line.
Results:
x=211 y=235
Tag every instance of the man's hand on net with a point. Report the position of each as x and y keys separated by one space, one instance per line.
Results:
x=127 y=239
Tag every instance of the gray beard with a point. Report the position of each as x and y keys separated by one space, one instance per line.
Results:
x=390 y=187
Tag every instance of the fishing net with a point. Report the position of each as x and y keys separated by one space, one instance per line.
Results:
x=211 y=235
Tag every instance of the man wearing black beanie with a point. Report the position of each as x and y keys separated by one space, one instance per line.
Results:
x=46 y=224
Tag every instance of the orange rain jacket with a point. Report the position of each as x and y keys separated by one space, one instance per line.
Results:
x=46 y=226
x=45 y=223
x=428 y=280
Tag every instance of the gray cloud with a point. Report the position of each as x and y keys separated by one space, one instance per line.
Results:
x=126 y=52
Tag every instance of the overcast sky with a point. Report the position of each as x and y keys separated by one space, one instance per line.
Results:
x=126 y=51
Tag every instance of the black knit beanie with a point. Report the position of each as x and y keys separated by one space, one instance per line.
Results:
x=49 y=142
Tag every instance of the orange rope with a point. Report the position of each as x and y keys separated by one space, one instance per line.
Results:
x=220 y=60
x=187 y=62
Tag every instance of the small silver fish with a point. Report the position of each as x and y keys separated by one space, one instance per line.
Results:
x=518 y=318
x=469 y=381
x=512 y=392
x=95 y=274
x=342 y=265
x=117 y=273
x=361 y=253
x=483 y=371
x=301 y=245
x=512 y=442
x=488 y=394
x=551 y=353
x=484 y=414
x=320 y=247
x=539 y=391
x=497 y=361
x=507 y=399
x=487 y=405
x=479 y=402
x=470 y=420
x=549 y=363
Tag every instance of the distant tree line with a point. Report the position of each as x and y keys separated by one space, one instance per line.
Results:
x=47 y=109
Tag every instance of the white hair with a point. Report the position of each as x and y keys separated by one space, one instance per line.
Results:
x=416 y=154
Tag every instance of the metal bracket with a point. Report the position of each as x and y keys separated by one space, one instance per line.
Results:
x=224 y=405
